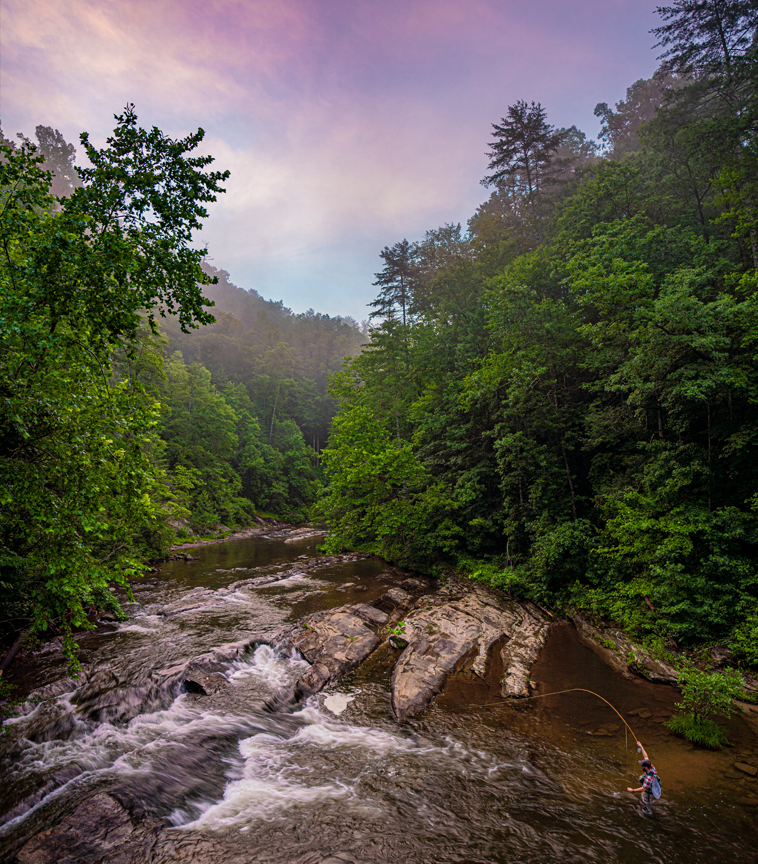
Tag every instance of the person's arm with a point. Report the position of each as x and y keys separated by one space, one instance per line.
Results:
x=644 y=752
x=629 y=789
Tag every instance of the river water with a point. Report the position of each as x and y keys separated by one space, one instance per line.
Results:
x=236 y=776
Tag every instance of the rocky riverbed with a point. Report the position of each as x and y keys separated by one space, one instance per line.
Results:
x=265 y=703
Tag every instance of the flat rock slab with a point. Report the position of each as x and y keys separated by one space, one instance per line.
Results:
x=336 y=641
x=456 y=624
x=750 y=770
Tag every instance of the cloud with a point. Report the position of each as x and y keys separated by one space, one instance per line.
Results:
x=346 y=125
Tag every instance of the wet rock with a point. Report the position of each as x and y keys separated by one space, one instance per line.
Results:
x=522 y=649
x=372 y=616
x=346 y=586
x=394 y=599
x=626 y=657
x=94 y=832
x=299 y=534
x=459 y=623
x=194 y=687
x=398 y=642
x=336 y=641
x=413 y=585
x=751 y=770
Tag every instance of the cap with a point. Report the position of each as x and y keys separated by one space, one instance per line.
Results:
x=646 y=763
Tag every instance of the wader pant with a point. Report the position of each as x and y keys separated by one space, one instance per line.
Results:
x=646 y=802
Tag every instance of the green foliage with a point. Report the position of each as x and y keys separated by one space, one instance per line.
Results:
x=80 y=498
x=570 y=411
x=378 y=497
x=706 y=694
x=698 y=730
x=710 y=693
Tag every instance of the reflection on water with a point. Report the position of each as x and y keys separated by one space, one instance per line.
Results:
x=227 y=778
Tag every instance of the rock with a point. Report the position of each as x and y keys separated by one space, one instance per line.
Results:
x=372 y=616
x=521 y=651
x=345 y=586
x=361 y=588
x=626 y=657
x=412 y=585
x=751 y=770
x=336 y=641
x=92 y=833
x=398 y=642
x=443 y=631
x=298 y=534
x=395 y=598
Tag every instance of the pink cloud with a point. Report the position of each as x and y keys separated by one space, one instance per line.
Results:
x=345 y=123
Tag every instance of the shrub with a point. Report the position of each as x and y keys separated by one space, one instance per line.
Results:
x=699 y=730
x=706 y=694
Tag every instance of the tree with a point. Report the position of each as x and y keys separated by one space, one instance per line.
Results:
x=79 y=274
x=396 y=282
x=715 y=43
x=707 y=37
x=620 y=130
x=523 y=149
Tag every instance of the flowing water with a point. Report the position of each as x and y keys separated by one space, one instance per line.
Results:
x=239 y=774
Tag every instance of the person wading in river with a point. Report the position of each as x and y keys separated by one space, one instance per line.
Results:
x=646 y=798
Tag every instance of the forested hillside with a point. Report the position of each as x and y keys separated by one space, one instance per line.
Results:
x=561 y=399
x=129 y=413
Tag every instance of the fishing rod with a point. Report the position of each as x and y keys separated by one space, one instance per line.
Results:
x=571 y=690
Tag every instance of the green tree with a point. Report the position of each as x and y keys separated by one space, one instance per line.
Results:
x=78 y=272
x=523 y=150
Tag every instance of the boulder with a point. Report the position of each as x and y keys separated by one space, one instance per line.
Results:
x=96 y=830
x=459 y=623
x=336 y=641
x=522 y=649
x=394 y=599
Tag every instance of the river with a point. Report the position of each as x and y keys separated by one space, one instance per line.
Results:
x=186 y=777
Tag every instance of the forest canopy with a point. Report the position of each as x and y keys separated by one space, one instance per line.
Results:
x=560 y=400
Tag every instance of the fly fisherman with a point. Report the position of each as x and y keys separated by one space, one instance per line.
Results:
x=647 y=780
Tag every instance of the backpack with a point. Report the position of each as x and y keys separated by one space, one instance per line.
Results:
x=656 y=787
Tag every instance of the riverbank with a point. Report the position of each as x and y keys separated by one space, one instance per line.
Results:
x=270 y=528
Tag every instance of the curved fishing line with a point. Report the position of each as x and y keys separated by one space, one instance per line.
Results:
x=570 y=690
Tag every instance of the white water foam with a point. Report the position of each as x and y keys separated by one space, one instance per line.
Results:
x=275 y=670
x=273 y=782
x=130 y=747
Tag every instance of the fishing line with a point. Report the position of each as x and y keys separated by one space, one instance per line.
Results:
x=571 y=690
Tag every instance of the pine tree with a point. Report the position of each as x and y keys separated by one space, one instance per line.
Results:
x=524 y=147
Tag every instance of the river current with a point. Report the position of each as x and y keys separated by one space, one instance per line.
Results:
x=245 y=777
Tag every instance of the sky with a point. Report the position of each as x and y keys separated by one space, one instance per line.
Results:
x=347 y=125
